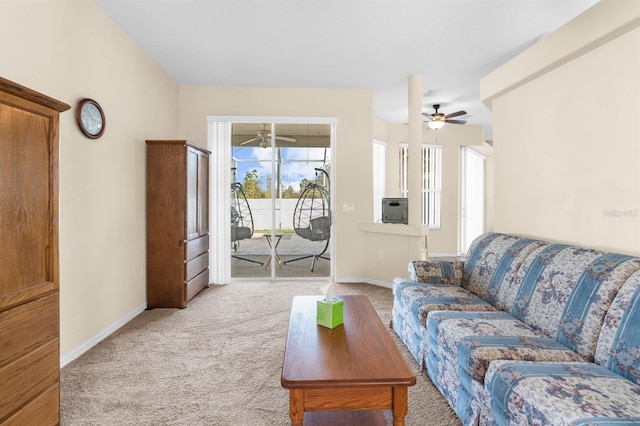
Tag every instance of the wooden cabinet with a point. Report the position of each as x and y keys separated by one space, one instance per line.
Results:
x=177 y=222
x=29 y=275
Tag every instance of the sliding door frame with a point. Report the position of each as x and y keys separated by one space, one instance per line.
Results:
x=219 y=143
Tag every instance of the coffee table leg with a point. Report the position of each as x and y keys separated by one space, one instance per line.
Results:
x=296 y=406
x=400 y=408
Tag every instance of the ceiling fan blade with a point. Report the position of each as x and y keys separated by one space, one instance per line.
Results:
x=285 y=139
x=249 y=141
x=282 y=138
x=429 y=117
x=456 y=114
x=457 y=121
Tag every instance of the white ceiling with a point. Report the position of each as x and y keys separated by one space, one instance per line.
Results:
x=370 y=44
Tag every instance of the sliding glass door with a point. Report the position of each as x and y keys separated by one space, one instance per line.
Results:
x=280 y=200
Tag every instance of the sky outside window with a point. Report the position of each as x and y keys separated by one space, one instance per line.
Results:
x=298 y=164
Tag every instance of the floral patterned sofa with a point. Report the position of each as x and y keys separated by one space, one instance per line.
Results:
x=527 y=332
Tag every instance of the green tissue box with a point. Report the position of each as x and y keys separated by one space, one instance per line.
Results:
x=330 y=315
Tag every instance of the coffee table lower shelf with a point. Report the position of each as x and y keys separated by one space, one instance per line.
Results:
x=345 y=418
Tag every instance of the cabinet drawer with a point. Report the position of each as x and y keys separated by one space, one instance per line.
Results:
x=28 y=325
x=42 y=411
x=29 y=376
x=198 y=283
x=196 y=247
x=197 y=265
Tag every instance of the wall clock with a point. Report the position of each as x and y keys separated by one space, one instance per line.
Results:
x=90 y=118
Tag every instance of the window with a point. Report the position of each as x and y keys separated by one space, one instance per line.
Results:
x=431 y=182
x=379 y=165
x=472 y=202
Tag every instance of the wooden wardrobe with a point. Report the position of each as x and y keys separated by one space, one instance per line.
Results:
x=29 y=275
x=177 y=222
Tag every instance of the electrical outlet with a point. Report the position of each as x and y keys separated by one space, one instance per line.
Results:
x=348 y=207
x=380 y=255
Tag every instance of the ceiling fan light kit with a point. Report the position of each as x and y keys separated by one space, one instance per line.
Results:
x=435 y=125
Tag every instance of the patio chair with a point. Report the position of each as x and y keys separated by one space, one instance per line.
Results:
x=312 y=216
x=241 y=220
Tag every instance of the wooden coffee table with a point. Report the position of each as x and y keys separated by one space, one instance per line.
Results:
x=355 y=366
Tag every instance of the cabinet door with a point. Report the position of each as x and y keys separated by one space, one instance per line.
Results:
x=26 y=216
x=203 y=194
x=197 y=193
x=192 y=193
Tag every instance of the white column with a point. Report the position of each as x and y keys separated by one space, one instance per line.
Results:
x=415 y=144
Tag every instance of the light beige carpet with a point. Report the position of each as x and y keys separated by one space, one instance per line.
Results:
x=217 y=362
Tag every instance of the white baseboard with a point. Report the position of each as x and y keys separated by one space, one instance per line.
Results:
x=75 y=353
x=379 y=283
x=363 y=280
x=443 y=255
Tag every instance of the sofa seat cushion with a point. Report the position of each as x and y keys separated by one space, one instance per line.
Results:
x=476 y=352
x=419 y=299
x=447 y=328
x=573 y=394
x=619 y=341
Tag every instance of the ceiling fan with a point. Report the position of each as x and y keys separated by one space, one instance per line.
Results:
x=437 y=120
x=264 y=137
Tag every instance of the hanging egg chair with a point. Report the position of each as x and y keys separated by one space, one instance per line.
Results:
x=241 y=219
x=312 y=216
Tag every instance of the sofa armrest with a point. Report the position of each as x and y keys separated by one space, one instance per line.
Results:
x=436 y=271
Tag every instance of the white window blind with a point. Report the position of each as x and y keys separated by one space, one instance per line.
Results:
x=379 y=177
x=431 y=171
x=431 y=181
x=403 y=158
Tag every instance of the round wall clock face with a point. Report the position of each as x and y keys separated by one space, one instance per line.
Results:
x=90 y=118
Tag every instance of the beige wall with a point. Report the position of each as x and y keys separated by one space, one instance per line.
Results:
x=69 y=49
x=567 y=133
x=558 y=175
x=353 y=149
x=451 y=137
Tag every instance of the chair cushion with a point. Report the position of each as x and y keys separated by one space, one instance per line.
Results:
x=240 y=233
x=319 y=228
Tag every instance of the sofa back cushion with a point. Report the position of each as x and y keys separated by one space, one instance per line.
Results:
x=619 y=343
x=491 y=265
x=565 y=292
